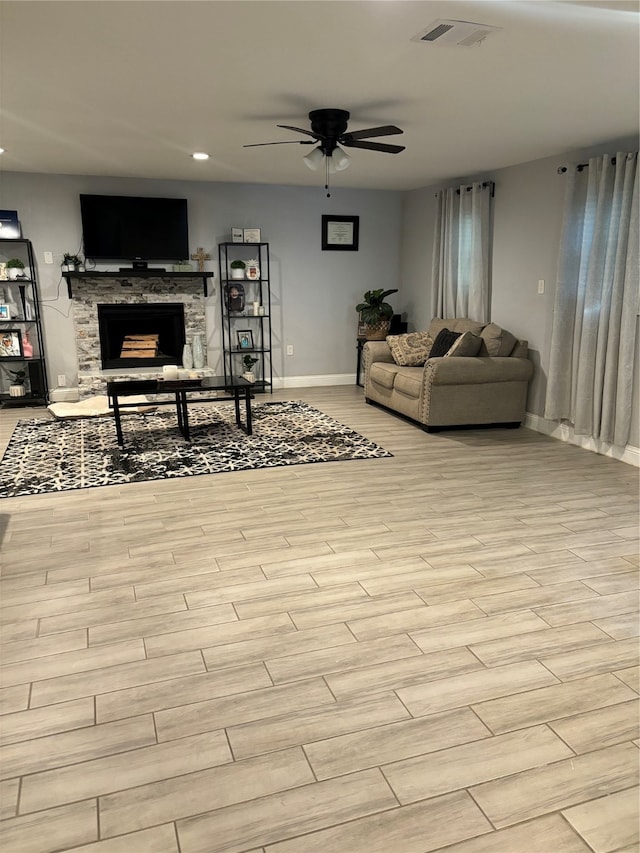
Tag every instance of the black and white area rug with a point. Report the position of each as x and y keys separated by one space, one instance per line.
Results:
x=54 y=456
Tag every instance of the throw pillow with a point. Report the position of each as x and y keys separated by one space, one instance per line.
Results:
x=467 y=345
x=410 y=350
x=443 y=343
x=498 y=342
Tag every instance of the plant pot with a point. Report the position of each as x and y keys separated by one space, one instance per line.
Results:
x=377 y=331
x=249 y=376
x=14 y=273
x=237 y=273
x=17 y=391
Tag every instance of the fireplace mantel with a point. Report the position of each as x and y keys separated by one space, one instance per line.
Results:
x=126 y=277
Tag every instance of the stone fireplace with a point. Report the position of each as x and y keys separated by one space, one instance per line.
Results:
x=138 y=304
x=118 y=321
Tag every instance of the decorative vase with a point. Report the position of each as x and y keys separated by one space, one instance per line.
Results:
x=377 y=331
x=198 y=352
x=249 y=375
x=187 y=356
x=27 y=346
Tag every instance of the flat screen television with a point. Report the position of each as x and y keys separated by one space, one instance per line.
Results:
x=129 y=228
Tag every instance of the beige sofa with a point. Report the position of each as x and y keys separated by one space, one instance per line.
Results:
x=487 y=389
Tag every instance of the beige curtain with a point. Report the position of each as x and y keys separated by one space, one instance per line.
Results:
x=461 y=252
x=596 y=304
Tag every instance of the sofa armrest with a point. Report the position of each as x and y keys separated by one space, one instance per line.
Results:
x=477 y=370
x=376 y=351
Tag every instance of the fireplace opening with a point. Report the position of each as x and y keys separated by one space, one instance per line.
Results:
x=159 y=322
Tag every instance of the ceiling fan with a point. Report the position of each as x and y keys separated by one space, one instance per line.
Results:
x=329 y=132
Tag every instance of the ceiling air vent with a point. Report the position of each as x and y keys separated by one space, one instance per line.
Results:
x=455 y=33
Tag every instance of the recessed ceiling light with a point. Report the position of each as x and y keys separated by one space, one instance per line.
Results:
x=200 y=155
x=1 y=150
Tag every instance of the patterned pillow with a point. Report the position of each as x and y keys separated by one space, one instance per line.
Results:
x=467 y=344
x=443 y=343
x=410 y=350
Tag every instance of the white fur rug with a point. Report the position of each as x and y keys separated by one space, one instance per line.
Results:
x=97 y=407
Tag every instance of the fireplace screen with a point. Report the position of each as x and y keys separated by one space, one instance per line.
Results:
x=141 y=335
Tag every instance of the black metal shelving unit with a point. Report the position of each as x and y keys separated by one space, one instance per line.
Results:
x=234 y=321
x=26 y=299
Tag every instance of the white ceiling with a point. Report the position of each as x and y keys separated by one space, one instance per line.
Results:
x=132 y=88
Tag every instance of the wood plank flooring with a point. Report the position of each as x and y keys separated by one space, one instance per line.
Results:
x=432 y=652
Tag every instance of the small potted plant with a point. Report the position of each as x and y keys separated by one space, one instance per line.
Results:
x=16 y=389
x=71 y=263
x=14 y=268
x=237 y=269
x=248 y=361
x=376 y=314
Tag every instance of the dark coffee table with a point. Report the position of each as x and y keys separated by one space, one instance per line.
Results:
x=234 y=388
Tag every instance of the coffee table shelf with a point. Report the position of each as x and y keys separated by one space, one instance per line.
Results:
x=234 y=389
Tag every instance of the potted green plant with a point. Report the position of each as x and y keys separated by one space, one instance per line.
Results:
x=375 y=314
x=16 y=389
x=248 y=361
x=15 y=267
x=237 y=269
x=71 y=263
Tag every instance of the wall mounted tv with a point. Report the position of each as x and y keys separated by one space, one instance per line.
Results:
x=129 y=228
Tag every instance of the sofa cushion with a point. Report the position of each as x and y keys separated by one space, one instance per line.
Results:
x=409 y=382
x=454 y=324
x=383 y=373
x=497 y=341
x=443 y=343
x=410 y=350
x=467 y=345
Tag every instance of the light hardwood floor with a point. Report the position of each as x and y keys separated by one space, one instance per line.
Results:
x=432 y=652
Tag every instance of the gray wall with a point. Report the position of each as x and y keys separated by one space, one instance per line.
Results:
x=528 y=208
x=314 y=292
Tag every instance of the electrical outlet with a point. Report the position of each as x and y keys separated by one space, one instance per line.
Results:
x=48 y=257
x=62 y=380
x=290 y=349
x=540 y=285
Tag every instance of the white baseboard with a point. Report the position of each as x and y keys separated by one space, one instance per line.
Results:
x=314 y=381
x=563 y=432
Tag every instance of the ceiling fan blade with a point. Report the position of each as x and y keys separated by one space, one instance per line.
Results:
x=299 y=130
x=386 y=130
x=289 y=142
x=372 y=146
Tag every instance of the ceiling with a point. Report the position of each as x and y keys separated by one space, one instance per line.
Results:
x=133 y=88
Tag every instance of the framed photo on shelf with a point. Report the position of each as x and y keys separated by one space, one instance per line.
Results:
x=251 y=235
x=9 y=224
x=237 y=235
x=234 y=297
x=340 y=233
x=245 y=339
x=252 y=270
x=10 y=344
x=5 y=312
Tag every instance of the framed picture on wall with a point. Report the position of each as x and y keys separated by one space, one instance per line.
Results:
x=340 y=233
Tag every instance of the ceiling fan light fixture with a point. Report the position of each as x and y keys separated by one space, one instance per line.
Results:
x=314 y=159
x=339 y=160
x=200 y=155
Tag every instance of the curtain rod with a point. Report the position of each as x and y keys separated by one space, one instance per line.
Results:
x=579 y=168
x=485 y=185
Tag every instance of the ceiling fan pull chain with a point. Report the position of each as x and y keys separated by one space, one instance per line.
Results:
x=326 y=185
